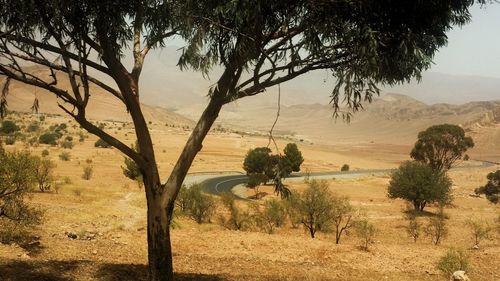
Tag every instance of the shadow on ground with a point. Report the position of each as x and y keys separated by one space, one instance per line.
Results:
x=51 y=270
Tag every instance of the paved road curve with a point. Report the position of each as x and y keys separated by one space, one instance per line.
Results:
x=216 y=184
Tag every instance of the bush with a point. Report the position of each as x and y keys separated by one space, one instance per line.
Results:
x=271 y=217
x=45 y=153
x=452 y=261
x=344 y=168
x=238 y=219
x=8 y=127
x=65 y=156
x=48 y=138
x=67 y=144
x=196 y=204
x=419 y=184
x=436 y=228
x=315 y=207
x=479 y=231
x=10 y=140
x=44 y=173
x=33 y=127
x=492 y=188
x=366 y=232
x=87 y=172
x=342 y=216
x=17 y=179
x=101 y=143
x=413 y=228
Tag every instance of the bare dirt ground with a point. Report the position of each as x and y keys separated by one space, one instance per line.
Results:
x=109 y=212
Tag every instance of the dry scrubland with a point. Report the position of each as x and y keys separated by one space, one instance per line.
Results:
x=110 y=210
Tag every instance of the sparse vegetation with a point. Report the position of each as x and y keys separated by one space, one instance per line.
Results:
x=342 y=216
x=87 y=172
x=196 y=204
x=344 y=168
x=479 y=231
x=366 y=232
x=436 y=227
x=65 y=156
x=9 y=127
x=414 y=227
x=452 y=261
x=239 y=219
x=44 y=170
x=269 y=218
x=48 y=138
x=102 y=144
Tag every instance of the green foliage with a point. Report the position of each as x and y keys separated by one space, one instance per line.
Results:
x=452 y=261
x=366 y=232
x=33 y=127
x=65 y=156
x=44 y=170
x=344 y=168
x=101 y=143
x=440 y=146
x=479 y=231
x=315 y=207
x=45 y=153
x=87 y=172
x=8 y=127
x=414 y=227
x=259 y=165
x=10 y=140
x=492 y=188
x=17 y=179
x=48 y=138
x=292 y=157
x=272 y=216
x=198 y=205
x=342 y=216
x=418 y=183
x=238 y=219
x=131 y=169
x=436 y=227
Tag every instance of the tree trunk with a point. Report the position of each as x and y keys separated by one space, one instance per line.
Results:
x=160 y=266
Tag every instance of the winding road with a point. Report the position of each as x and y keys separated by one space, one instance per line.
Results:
x=217 y=183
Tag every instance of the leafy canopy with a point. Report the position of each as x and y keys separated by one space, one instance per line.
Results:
x=492 y=188
x=441 y=145
x=418 y=183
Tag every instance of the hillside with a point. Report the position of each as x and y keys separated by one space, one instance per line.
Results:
x=102 y=106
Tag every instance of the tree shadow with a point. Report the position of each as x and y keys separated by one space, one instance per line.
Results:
x=53 y=270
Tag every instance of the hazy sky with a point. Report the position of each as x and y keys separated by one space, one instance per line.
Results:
x=473 y=49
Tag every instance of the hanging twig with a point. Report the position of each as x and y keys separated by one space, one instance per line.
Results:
x=271 y=137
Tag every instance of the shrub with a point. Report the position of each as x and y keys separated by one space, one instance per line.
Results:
x=492 y=188
x=366 y=232
x=8 y=127
x=419 y=184
x=314 y=206
x=413 y=228
x=67 y=180
x=101 y=143
x=65 y=156
x=33 y=127
x=238 y=219
x=479 y=231
x=271 y=217
x=44 y=173
x=344 y=168
x=10 y=140
x=196 y=204
x=87 y=172
x=45 y=153
x=342 y=216
x=436 y=228
x=67 y=144
x=48 y=138
x=452 y=261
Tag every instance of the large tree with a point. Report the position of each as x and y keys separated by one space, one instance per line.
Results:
x=258 y=44
x=440 y=146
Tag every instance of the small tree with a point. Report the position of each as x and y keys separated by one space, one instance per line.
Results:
x=17 y=178
x=271 y=217
x=342 y=216
x=436 y=228
x=479 y=231
x=366 y=232
x=315 y=207
x=413 y=228
x=238 y=218
x=440 y=146
x=44 y=169
x=201 y=206
x=48 y=138
x=344 y=168
x=452 y=261
x=492 y=188
x=259 y=165
x=419 y=184
x=293 y=157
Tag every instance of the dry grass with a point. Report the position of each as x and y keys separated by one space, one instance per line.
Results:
x=114 y=208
